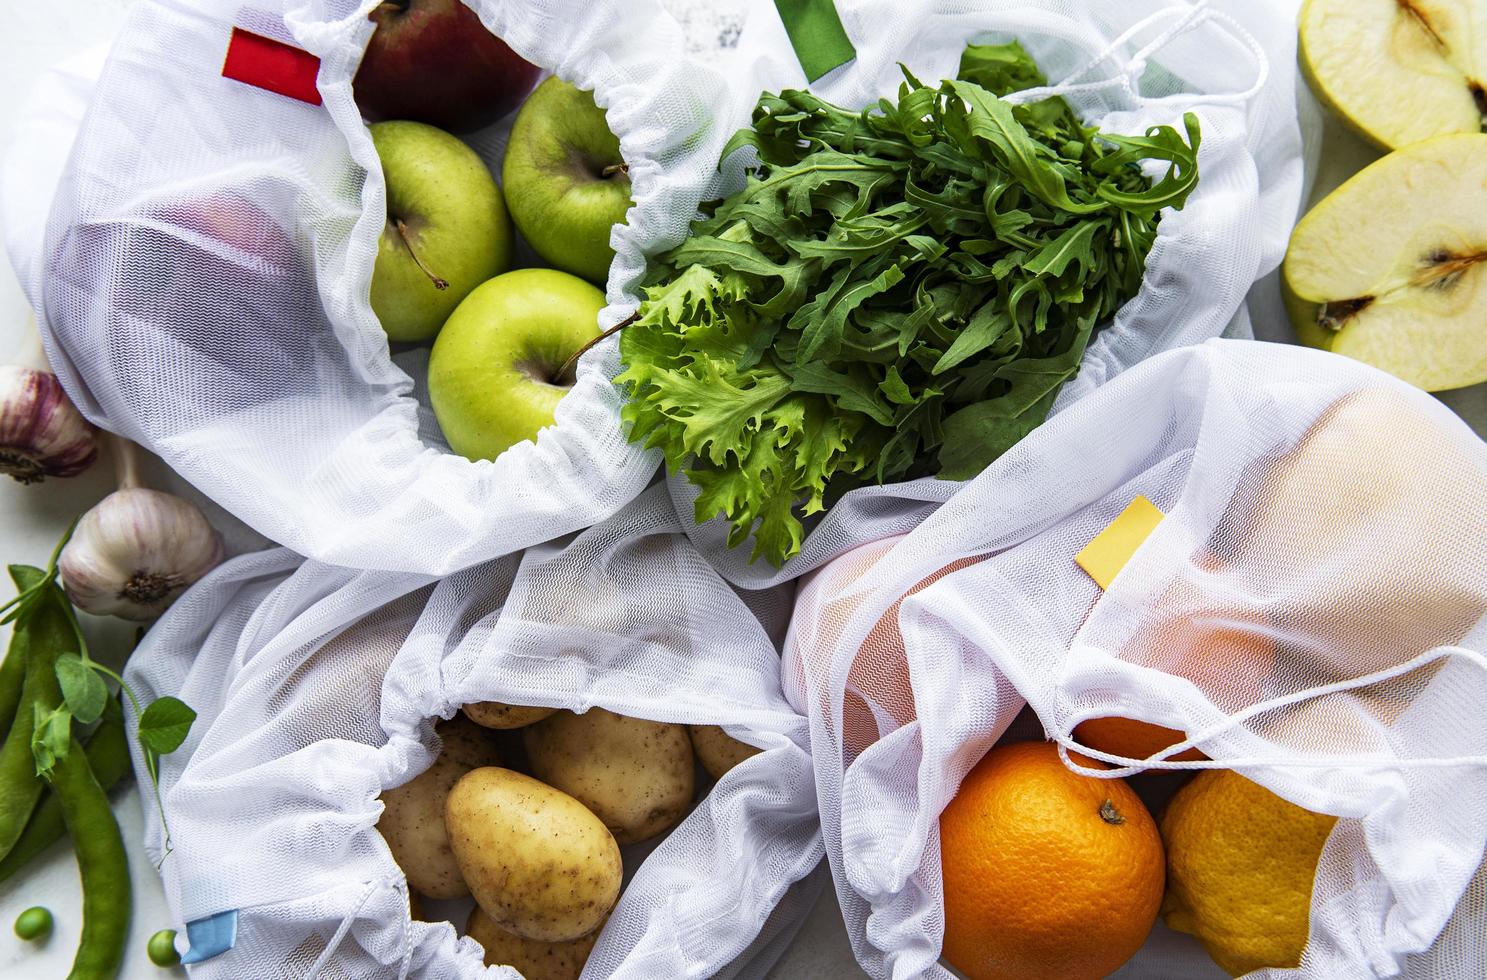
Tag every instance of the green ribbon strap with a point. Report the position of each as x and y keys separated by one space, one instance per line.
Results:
x=816 y=33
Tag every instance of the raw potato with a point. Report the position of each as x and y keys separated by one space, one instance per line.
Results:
x=533 y=958
x=494 y=714
x=637 y=776
x=412 y=820
x=717 y=750
x=463 y=741
x=537 y=862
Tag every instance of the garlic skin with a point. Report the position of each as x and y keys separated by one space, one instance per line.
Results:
x=42 y=433
x=135 y=552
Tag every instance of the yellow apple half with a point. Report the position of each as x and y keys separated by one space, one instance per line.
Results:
x=1399 y=71
x=1391 y=268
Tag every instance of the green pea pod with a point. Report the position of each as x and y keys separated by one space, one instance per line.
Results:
x=102 y=864
x=108 y=757
x=44 y=632
x=13 y=670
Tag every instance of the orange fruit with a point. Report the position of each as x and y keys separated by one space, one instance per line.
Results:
x=1226 y=647
x=1131 y=738
x=1046 y=873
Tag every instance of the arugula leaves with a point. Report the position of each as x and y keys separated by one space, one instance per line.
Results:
x=894 y=292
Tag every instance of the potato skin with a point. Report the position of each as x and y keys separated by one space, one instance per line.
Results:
x=637 y=776
x=412 y=820
x=717 y=750
x=412 y=823
x=467 y=743
x=539 y=863
x=494 y=714
x=533 y=958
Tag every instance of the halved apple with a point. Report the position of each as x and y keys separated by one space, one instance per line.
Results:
x=1391 y=268
x=1399 y=71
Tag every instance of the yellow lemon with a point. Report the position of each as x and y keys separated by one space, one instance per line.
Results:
x=1240 y=865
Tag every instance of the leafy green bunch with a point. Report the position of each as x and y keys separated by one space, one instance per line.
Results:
x=894 y=292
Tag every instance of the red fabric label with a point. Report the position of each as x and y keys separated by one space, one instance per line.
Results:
x=273 y=65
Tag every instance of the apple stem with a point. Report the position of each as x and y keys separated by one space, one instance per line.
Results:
x=403 y=234
x=568 y=373
x=615 y=168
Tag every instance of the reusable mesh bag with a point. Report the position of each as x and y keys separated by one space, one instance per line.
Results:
x=203 y=277
x=1309 y=610
x=317 y=687
x=1124 y=66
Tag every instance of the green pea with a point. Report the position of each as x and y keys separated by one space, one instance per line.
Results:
x=34 y=923
x=162 y=948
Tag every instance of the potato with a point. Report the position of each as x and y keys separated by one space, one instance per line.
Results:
x=538 y=863
x=717 y=750
x=494 y=714
x=533 y=958
x=466 y=742
x=415 y=907
x=412 y=820
x=637 y=776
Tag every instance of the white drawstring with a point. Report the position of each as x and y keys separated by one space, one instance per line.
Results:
x=340 y=933
x=1192 y=16
x=1128 y=766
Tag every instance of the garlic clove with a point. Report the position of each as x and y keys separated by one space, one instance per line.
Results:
x=42 y=433
x=135 y=552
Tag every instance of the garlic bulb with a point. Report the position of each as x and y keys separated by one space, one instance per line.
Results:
x=135 y=552
x=41 y=433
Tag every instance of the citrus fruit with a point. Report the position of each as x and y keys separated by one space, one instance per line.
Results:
x=1131 y=738
x=1046 y=873
x=1225 y=646
x=1240 y=866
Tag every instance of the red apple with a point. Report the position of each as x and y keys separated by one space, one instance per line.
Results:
x=434 y=62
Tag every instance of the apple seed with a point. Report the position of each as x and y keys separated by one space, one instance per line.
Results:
x=1443 y=269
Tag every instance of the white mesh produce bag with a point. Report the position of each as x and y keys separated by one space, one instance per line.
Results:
x=204 y=274
x=1124 y=66
x=1323 y=538
x=316 y=689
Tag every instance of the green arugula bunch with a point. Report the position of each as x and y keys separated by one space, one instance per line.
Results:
x=895 y=292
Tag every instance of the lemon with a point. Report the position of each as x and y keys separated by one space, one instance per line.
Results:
x=1240 y=866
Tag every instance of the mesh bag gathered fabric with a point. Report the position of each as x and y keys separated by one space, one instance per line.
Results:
x=317 y=688
x=1124 y=66
x=203 y=274
x=1310 y=611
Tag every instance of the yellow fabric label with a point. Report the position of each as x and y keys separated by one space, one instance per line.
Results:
x=1107 y=554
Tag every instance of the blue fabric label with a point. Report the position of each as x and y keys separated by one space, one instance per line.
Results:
x=211 y=936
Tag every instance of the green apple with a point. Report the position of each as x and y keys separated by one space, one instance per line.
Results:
x=493 y=372
x=1391 y=268
x=565 y=179
x=1398 y=71
x=447 y=230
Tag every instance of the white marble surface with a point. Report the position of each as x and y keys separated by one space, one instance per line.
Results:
x=36 y=36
